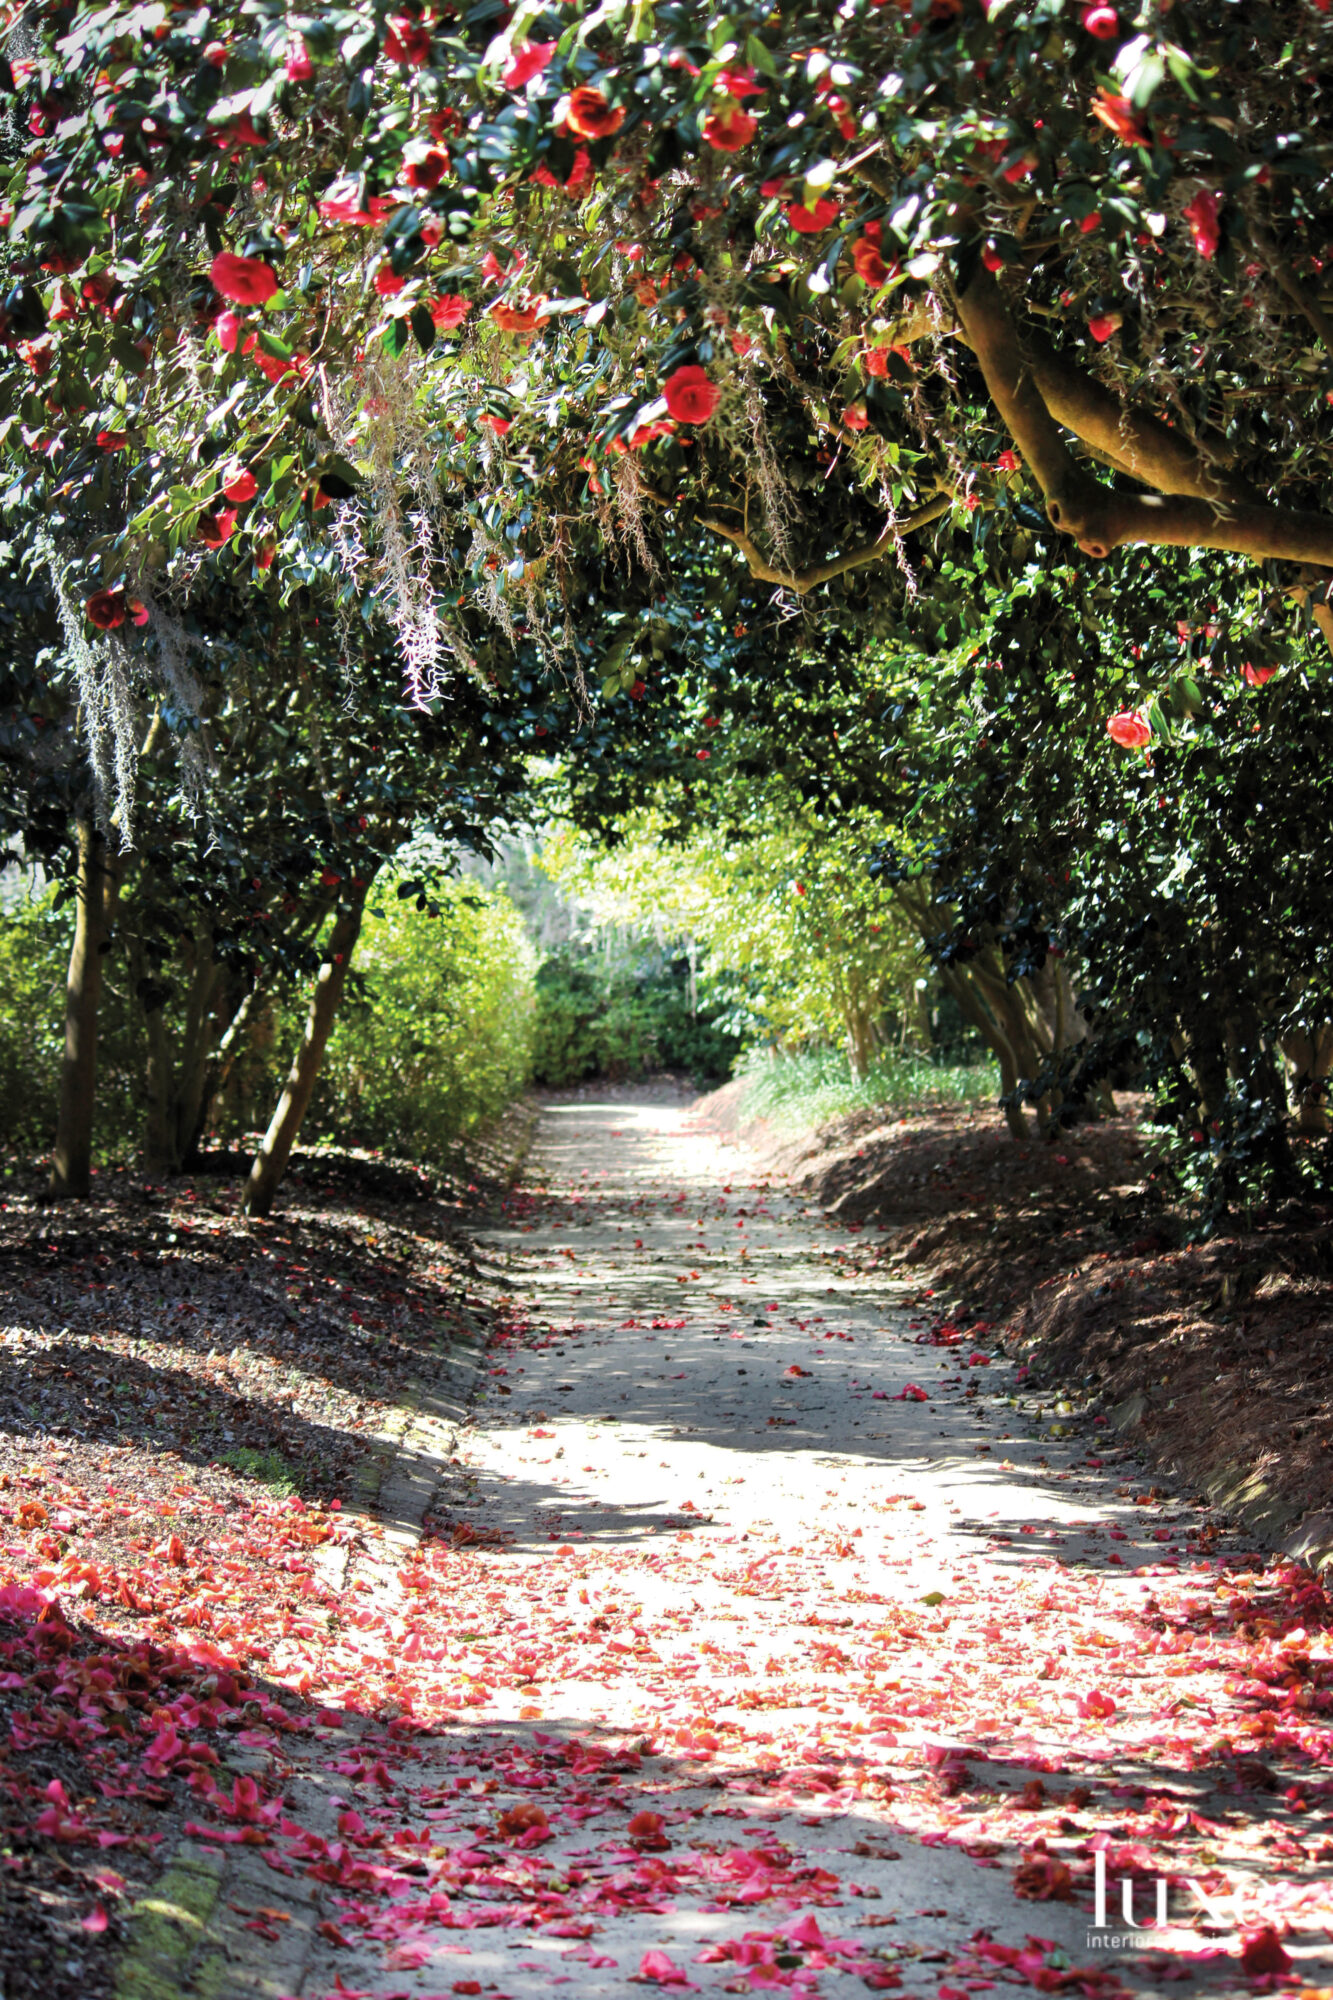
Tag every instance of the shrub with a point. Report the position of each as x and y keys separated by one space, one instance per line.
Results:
x=434 y=1036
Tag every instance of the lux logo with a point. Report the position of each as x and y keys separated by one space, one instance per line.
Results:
x=1224 y=1911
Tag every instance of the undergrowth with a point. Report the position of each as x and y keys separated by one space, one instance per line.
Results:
x=814 y=1086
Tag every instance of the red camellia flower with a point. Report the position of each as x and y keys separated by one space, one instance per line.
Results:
x=1008 y=461
x=450 y=310
x=1256 y=676
x=387 y=282
x=875 y=361
x=991 y=258
x=1201 y=215
x=1101 y=21
x=300 y=69
x=1129 y=729
x=111 y=440
x=216 y=528
x=590 y=116
x=249 y=281
x=497 y=424
x=106 y=609
x=690 y=396
x=238 y=482
x=527 y=62
x=869 y=263
x=265 y=551
x=517 y=319
x=429 y=170
x=812 y=221
x=407 y=41
x=1103 y=325
x=855 y=416
x=730 y=128
x=1262 y=1952
x=1118 y=115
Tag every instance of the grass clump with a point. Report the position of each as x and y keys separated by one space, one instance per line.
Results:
x=814 y=1086
x=270 y=1468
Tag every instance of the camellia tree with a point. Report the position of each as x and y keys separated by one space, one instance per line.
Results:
x=449 y=298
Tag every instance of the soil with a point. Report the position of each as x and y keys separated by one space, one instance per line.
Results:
x=170 y=1377
x=1210 y=1355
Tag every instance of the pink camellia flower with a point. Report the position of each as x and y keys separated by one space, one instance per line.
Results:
x=690 y=396
x=1101 y=20
x=1129 y=729
x=450 y=310
x=527 y=62
x=1201 y=215
x=238 y=482
x=248 y=281
x=228 y=327
x=300 y=69
x=1102 y=325
x=812 y=221
x=730 y=128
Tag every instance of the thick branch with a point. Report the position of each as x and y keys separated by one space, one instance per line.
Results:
x=1098 y=518
x=804 y=580
x=1141 y=445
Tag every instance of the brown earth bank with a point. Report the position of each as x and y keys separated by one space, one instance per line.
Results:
x=177 y=1377
x=1210 y=1357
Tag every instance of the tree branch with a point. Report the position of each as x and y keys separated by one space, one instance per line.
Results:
x=805 y=580
x=1097 y=517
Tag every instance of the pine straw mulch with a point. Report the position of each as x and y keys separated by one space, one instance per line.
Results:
x=1213 y=1356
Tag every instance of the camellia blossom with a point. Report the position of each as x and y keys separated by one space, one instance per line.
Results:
x=450 y=310
x=812 y=221
x=1101 y=20
x=407 y=41
x=300 y=69
x=869 y=262
x=1201 y=215
x=1119 y=116
x=1130 y=729
x=248 y=281
x=387 y=282
x=590 y=116
x=216 y=528
x=729 y=129
x=690 y=396
x=106 y=609
x=855 y=416
x=518 y=319
x=527 y=62
x=238 y=482
x=429 y=170
x=1256 y=676
x=1102 y=325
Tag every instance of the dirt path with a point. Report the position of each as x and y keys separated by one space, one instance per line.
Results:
x=771 y=1637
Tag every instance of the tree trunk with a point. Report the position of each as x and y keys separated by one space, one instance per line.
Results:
x=72 y=1158
x=974 y=1008
x=1310 y=1060
x=206 y=989
x=220 y=1066
x=158 y=1146
x=271 y=1160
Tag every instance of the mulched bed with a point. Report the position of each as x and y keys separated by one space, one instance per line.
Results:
x=188 y=1400
x=1213 y=1356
